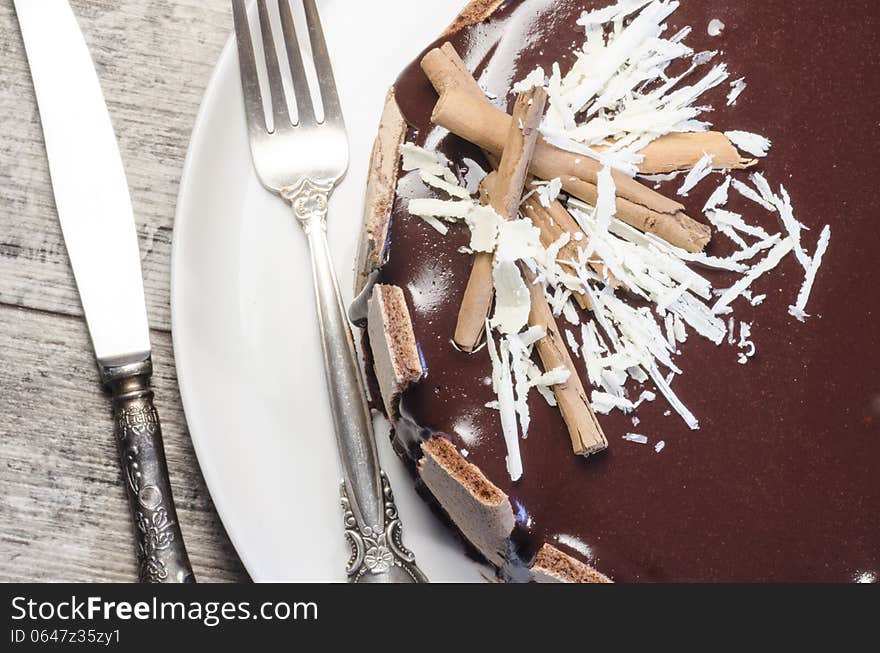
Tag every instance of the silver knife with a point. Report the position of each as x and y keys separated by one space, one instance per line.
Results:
x=94 y=208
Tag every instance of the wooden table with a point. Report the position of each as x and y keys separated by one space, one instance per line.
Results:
x=63 y=511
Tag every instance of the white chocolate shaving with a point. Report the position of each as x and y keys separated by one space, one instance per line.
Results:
x=638 y=438
x=701 y=170
x=530 y=81
x=715 y=27
x=518 y=240
x=502 y=383
x=749 y=193
x=548 y=191
x=482 y=220
x=791 y=224
x=737 y=87
x=798 y=310
x=483 y=223
x=719 y=196
x=511 y=298
x=771 y=261
x=754 y=144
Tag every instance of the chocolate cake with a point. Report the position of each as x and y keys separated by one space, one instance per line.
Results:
x=779 y=480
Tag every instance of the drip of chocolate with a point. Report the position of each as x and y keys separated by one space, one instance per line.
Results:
x=780 y=483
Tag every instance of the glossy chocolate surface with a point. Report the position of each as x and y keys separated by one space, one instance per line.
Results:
x=782 y=482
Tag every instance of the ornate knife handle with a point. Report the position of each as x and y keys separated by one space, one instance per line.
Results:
x=372 y=526
x=161 y=552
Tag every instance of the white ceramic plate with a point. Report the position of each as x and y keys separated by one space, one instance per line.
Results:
x=245 y=336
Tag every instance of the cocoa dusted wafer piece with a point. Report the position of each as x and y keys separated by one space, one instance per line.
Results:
x=553 y=566
x=379 y=196
x=485 y=517
x=480 y=510
x=396 y=360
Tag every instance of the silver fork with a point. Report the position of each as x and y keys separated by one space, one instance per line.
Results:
x=302 y=164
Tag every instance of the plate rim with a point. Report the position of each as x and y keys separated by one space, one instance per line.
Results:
x=206 y=469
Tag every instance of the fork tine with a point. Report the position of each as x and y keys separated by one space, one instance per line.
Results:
x=329 y=95
x=276 y=87
x=247 y=63
x=304 y=107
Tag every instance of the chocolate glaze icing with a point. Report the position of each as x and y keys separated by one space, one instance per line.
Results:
x=780 y=483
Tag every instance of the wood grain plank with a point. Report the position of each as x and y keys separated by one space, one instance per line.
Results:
x=153 y=59
x=63 y=511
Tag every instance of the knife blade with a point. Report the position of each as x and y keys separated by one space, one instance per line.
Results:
x=97 y=221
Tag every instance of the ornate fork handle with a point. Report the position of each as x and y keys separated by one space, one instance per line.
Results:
x=373 y=529
x=162 y=556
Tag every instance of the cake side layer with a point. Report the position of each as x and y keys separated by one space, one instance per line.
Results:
x=379 y=195
x=395 y=355
x=478 y=508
